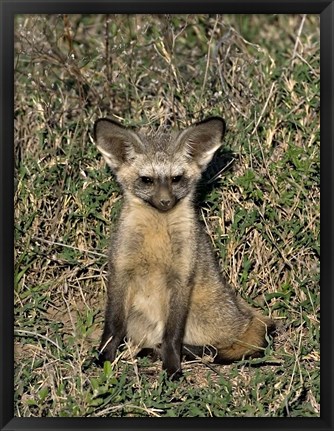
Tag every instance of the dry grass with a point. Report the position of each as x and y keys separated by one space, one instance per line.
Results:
x=261 y=73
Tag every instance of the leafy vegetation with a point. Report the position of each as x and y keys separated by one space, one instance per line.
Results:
x=261 y=73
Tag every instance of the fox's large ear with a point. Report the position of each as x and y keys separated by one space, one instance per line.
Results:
x=203 y=139
x=115 y=142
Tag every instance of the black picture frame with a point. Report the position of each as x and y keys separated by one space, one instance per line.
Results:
x=8 y=9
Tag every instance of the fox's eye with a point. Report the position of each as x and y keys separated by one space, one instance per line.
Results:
x=146 y=180
x=176 y=179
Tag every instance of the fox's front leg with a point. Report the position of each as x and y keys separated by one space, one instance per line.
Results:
x=114 y=324
x=171 y=347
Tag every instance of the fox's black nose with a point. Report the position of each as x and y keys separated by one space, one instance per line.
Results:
x=165 y=203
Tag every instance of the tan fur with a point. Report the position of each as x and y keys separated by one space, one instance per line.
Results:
x=151 y=264
x=164 y=281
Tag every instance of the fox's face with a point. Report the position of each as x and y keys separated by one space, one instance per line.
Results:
x=159 y=178
x=160 y=169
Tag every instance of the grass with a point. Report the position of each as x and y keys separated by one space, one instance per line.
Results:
x=261 y=73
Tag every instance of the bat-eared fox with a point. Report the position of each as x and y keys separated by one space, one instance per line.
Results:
x=165 y=289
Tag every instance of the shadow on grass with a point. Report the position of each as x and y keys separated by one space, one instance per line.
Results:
x=222 y=161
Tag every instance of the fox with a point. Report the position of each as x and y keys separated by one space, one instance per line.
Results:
x=165 y=288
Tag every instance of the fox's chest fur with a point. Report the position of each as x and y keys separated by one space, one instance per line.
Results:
x=151 y=247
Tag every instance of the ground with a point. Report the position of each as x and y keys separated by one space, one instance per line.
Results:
x=261 y=73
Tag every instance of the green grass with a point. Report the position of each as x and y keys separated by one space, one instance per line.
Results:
x=261 y=73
